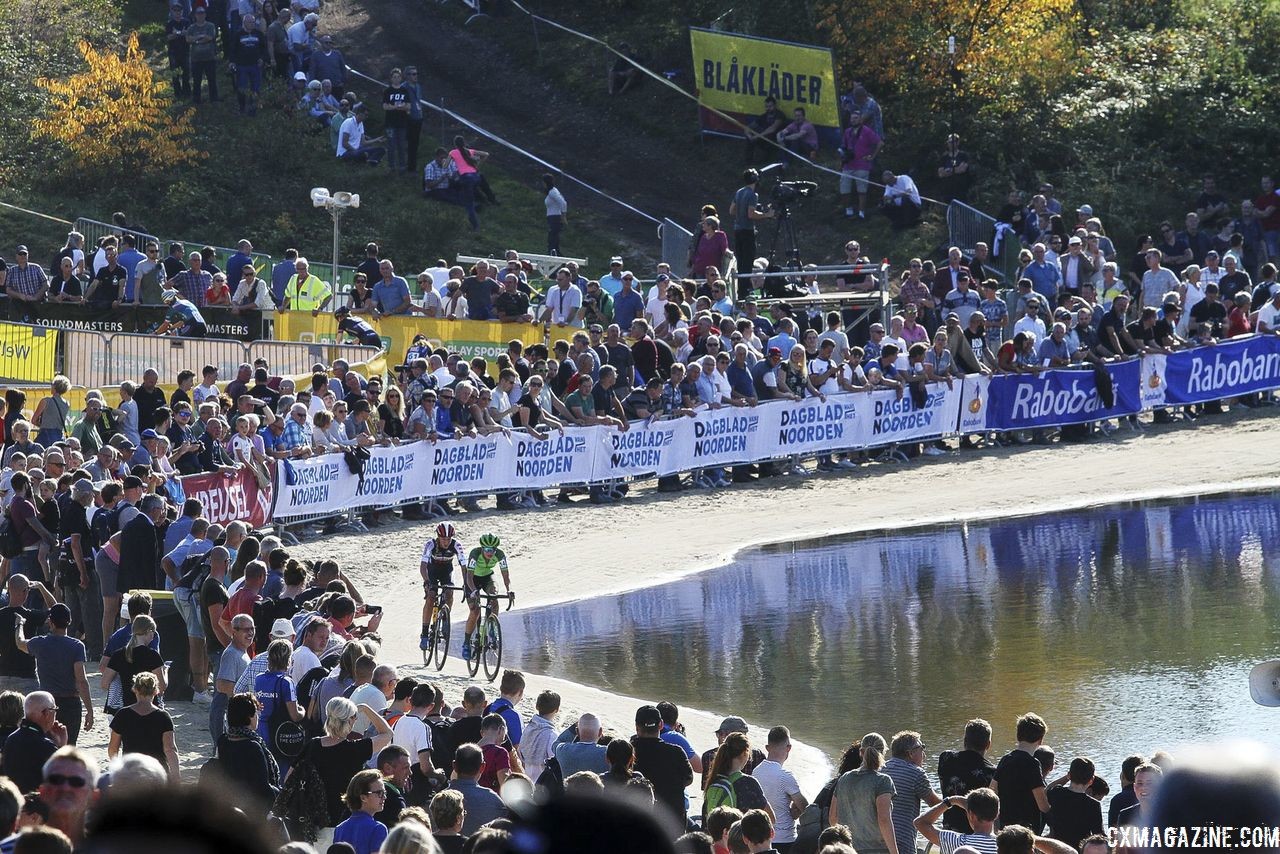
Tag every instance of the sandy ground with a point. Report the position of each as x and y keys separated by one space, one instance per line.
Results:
x=547 y=548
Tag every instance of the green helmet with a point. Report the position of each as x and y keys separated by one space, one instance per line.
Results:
x=489 y=541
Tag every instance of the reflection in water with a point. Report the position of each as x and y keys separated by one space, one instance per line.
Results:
x=1128 y=628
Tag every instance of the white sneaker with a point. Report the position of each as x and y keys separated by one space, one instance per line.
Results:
x=202 y=698
x=931 y=451
x=800 y=471
x=846 y=464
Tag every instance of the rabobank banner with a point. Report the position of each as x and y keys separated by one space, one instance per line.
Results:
x=505 y=462
x=1238 y=366
x=1057 y=397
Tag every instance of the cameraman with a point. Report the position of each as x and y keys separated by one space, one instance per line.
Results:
x=746 y=210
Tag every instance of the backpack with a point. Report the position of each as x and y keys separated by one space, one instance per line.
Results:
x=194 y=570
x=106 y=523
x=303 y=802
x=442 y=746
x=809 y=827
x=288 y=738
x=10 y=539
x=722 y=785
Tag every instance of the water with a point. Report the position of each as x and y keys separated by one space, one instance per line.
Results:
x=1128 y=628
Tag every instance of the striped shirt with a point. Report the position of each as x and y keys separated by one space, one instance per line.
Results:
x=951 y=840
x=910 y=785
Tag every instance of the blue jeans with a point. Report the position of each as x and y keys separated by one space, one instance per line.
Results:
x=367 y=154
x=217 y=715
x=48 y=435
x=27 y=563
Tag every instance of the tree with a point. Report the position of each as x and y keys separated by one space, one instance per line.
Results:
x=111 y=116
x=1001 y=46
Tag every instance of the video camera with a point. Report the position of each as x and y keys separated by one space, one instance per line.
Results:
x=785 y=192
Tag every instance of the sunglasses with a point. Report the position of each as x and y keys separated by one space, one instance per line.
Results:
x=64 y=779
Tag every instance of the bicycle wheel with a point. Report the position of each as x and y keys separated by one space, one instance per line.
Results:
x=492 y=647
x=440 y=637
x=473 y=663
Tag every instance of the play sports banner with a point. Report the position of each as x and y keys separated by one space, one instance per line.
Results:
x=27 y=354
x=471 y=338
x=735 y=73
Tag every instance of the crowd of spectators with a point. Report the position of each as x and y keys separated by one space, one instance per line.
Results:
x=321 y=744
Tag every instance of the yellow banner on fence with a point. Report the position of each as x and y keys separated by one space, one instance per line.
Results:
x=27 y=353
x=735 y=73
x=471 y=338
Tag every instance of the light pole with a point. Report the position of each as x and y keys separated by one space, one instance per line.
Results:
x=336 y=204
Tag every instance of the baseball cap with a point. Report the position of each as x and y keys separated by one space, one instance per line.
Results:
x=282 y=628
x=775 y=351
x=1075 y=241
x=616 y=259
x=22 y=247
x=733 y=723
x=150 y=434
x=662 y=277
x=1087 y=210
x=951 y=315
x=298 y=75
x=648 y=717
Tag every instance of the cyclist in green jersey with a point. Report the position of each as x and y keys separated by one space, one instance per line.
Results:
x=478 y=580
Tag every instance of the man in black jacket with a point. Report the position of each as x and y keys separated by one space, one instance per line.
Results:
x=140 y=548
x=664 y=765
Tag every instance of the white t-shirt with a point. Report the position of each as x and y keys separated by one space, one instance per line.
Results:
x=1031 y=326
x=779 y=785
x=353 y=130
x=412 y=734
x=439 y=277
x=1270 y=315
x=902 y=361
x=242 y=449
x=563 y=301
x=202 y=392
x=501 y=401
x=304 y=661
x=655 y=310
x=820 y=366
x=372 y=696
x=853 y=372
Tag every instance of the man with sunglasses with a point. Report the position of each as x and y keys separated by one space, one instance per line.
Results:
x=38 y=735
x=69 y=780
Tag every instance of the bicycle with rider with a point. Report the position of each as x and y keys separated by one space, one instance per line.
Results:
x=438 y=556
x=478 y=581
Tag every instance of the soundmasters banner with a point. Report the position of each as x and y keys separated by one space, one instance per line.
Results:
x=727 y=436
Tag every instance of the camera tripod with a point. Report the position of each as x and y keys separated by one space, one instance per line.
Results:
x=784 y=229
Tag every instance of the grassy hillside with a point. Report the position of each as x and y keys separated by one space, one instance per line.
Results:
x=256 y=180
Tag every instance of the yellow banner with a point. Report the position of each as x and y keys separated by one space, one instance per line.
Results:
x=471 y=338
x=735 y=73
x=27 y=353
